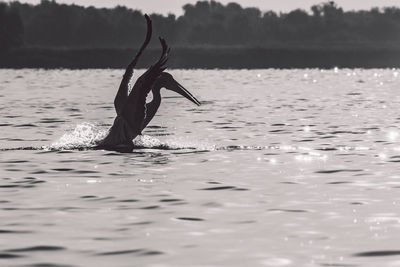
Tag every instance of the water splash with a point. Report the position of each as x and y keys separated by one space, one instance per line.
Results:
x=85 y=135
x=146 y=141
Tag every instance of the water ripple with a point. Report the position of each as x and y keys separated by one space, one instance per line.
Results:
x=139 y=252
x=378 y=253
x=36 y=248
x=190 y=219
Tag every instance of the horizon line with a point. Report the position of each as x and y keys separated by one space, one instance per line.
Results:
x=181 y=13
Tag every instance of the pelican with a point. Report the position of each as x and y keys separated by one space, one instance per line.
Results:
x=133 y=113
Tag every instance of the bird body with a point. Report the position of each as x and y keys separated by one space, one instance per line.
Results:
x=133 y=114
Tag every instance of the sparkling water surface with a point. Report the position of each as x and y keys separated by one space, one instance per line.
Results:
x=276 y=168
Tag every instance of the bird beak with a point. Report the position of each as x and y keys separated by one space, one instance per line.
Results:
x=176 y=87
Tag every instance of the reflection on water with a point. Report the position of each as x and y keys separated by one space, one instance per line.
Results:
x=276 y=168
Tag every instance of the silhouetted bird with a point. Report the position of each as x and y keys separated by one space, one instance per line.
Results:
x=133 y=114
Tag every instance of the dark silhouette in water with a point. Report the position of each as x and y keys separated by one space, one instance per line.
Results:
x=133 y=114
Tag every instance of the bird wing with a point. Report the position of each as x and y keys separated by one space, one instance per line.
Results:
x=134 y=111
x=152 y=107
x=122 y=93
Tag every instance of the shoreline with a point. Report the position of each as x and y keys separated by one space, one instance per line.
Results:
x=205 y=58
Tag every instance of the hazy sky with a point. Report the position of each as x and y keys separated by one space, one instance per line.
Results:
x=175 y=6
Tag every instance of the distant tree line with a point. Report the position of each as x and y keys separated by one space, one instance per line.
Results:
x=206 y=23
x=11 y=29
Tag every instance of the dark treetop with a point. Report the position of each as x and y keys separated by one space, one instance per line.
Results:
x=206 y=23
x=207 y=35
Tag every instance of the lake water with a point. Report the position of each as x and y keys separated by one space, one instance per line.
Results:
x=276 y=168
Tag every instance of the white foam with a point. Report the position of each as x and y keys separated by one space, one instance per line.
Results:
x=87 y=135
x=146 y=141
x=84 y=135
